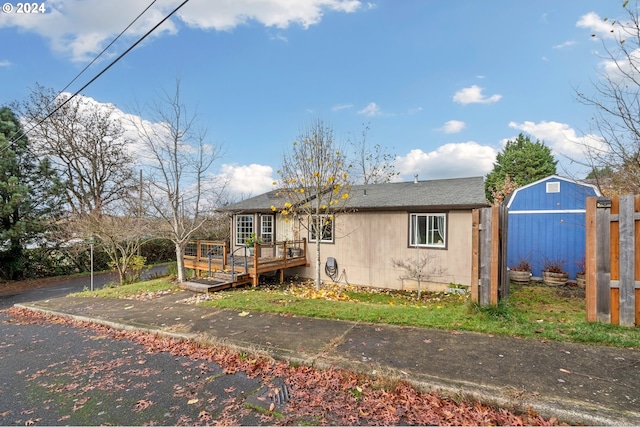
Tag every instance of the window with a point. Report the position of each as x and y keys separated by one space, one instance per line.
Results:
x=266 y=230
x=326 y=224
x=427 y=230
x=244 y=228
x=553 y=187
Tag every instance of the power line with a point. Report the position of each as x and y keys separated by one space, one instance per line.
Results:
x=25 y=132
x=108 y=46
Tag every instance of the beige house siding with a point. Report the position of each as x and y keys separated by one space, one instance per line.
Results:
x=366 y=242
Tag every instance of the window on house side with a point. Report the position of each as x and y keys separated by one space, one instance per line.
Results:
x=266 y=231
x=428 y=230
x=327 y=229
x=244 y=228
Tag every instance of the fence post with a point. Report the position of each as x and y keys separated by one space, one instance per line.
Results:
x=627 y=260
x=603 y=264
x=590 y=260
x=475 y=255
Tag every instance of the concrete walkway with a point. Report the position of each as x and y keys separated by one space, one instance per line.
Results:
x=576 y=383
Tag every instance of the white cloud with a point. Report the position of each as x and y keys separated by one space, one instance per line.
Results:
x=371 y=109
x=448 y=161
x=598 y=26
x=561 y=138
x=473 y=95
x=341 y=107
x=565 y=44
x=80 y=29
x=5 y=64
x=414 y=110
x=453 y=126
x=247 y=180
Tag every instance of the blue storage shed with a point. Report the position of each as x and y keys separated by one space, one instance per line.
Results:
x=547 y=222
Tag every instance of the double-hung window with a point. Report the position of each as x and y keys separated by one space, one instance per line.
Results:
x=244 y=228
x=324 y=225
x=428 y=230
x=266 y=228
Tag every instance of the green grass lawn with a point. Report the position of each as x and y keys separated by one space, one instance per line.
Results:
x=533 y=311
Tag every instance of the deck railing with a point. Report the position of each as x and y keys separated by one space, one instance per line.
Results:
x=261 y=257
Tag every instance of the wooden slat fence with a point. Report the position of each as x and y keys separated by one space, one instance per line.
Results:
x=613 y=260
x=489 y=275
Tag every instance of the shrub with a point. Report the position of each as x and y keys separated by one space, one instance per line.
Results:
x=553 y=265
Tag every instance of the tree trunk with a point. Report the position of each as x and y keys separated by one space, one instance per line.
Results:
x=318 y=280
x=180 y=261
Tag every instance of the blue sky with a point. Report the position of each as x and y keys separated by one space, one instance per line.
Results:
x=442 y=83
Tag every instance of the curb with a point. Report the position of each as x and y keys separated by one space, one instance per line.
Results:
x=573 y=412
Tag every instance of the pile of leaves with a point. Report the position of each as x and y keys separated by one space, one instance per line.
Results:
x=342 y=292
x=330 y=292
x=318 y=397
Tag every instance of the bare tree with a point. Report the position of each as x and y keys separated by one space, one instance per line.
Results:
x=119 y=235
x=616 y=103
x=314 y=184
x=179 y=185
x=372 y=164
x=420 y=269
x=86 y=142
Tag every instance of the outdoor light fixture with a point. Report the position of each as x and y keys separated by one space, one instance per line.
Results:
x=603 y=203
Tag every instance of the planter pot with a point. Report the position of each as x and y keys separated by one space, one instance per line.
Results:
x=581 y=280
x=554 y=279
x=520 y=277
x=457 y=290
x=296 y=252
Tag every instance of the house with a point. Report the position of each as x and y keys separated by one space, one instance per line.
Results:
x=547 y=223
x=400 y=220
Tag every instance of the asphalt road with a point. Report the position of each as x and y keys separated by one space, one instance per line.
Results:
x=52 y=374
x=56 y=374
x=67 y=286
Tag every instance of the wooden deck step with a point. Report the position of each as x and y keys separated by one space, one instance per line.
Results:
x=218 y=282
x=196 y=286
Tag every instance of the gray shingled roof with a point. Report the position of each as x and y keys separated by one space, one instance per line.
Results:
x=455 y=193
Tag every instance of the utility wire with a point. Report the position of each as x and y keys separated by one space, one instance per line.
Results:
x=24 y=132
x=108 y=46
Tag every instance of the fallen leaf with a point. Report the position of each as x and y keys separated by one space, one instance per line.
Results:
x=272 y=407
x=192 y=401
x=141 y=405
x=427 y=341
x=243 y=314
x=565 y=371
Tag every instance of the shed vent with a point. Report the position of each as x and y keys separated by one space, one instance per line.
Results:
x=553 y=187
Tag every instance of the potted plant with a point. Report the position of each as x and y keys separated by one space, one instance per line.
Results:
x=521 y=272
x=553 y=273
x=581 y=273
x=250 y=242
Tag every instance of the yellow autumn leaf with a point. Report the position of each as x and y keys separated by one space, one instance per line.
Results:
x=243 y=314
x=192 y=401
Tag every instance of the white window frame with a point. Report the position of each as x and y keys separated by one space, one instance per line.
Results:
x=245 y=225
x=267 y=225
x=553 y=187
x=435 y=230
x=331 y=226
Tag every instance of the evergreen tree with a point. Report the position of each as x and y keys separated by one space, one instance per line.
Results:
x=30 y=195
x=523 y=161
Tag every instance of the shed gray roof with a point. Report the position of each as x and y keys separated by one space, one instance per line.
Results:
x=455 y=193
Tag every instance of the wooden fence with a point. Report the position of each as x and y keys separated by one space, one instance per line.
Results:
x=613 y=260
x=489 y=275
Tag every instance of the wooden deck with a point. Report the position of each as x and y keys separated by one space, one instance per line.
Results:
x=211 y=258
